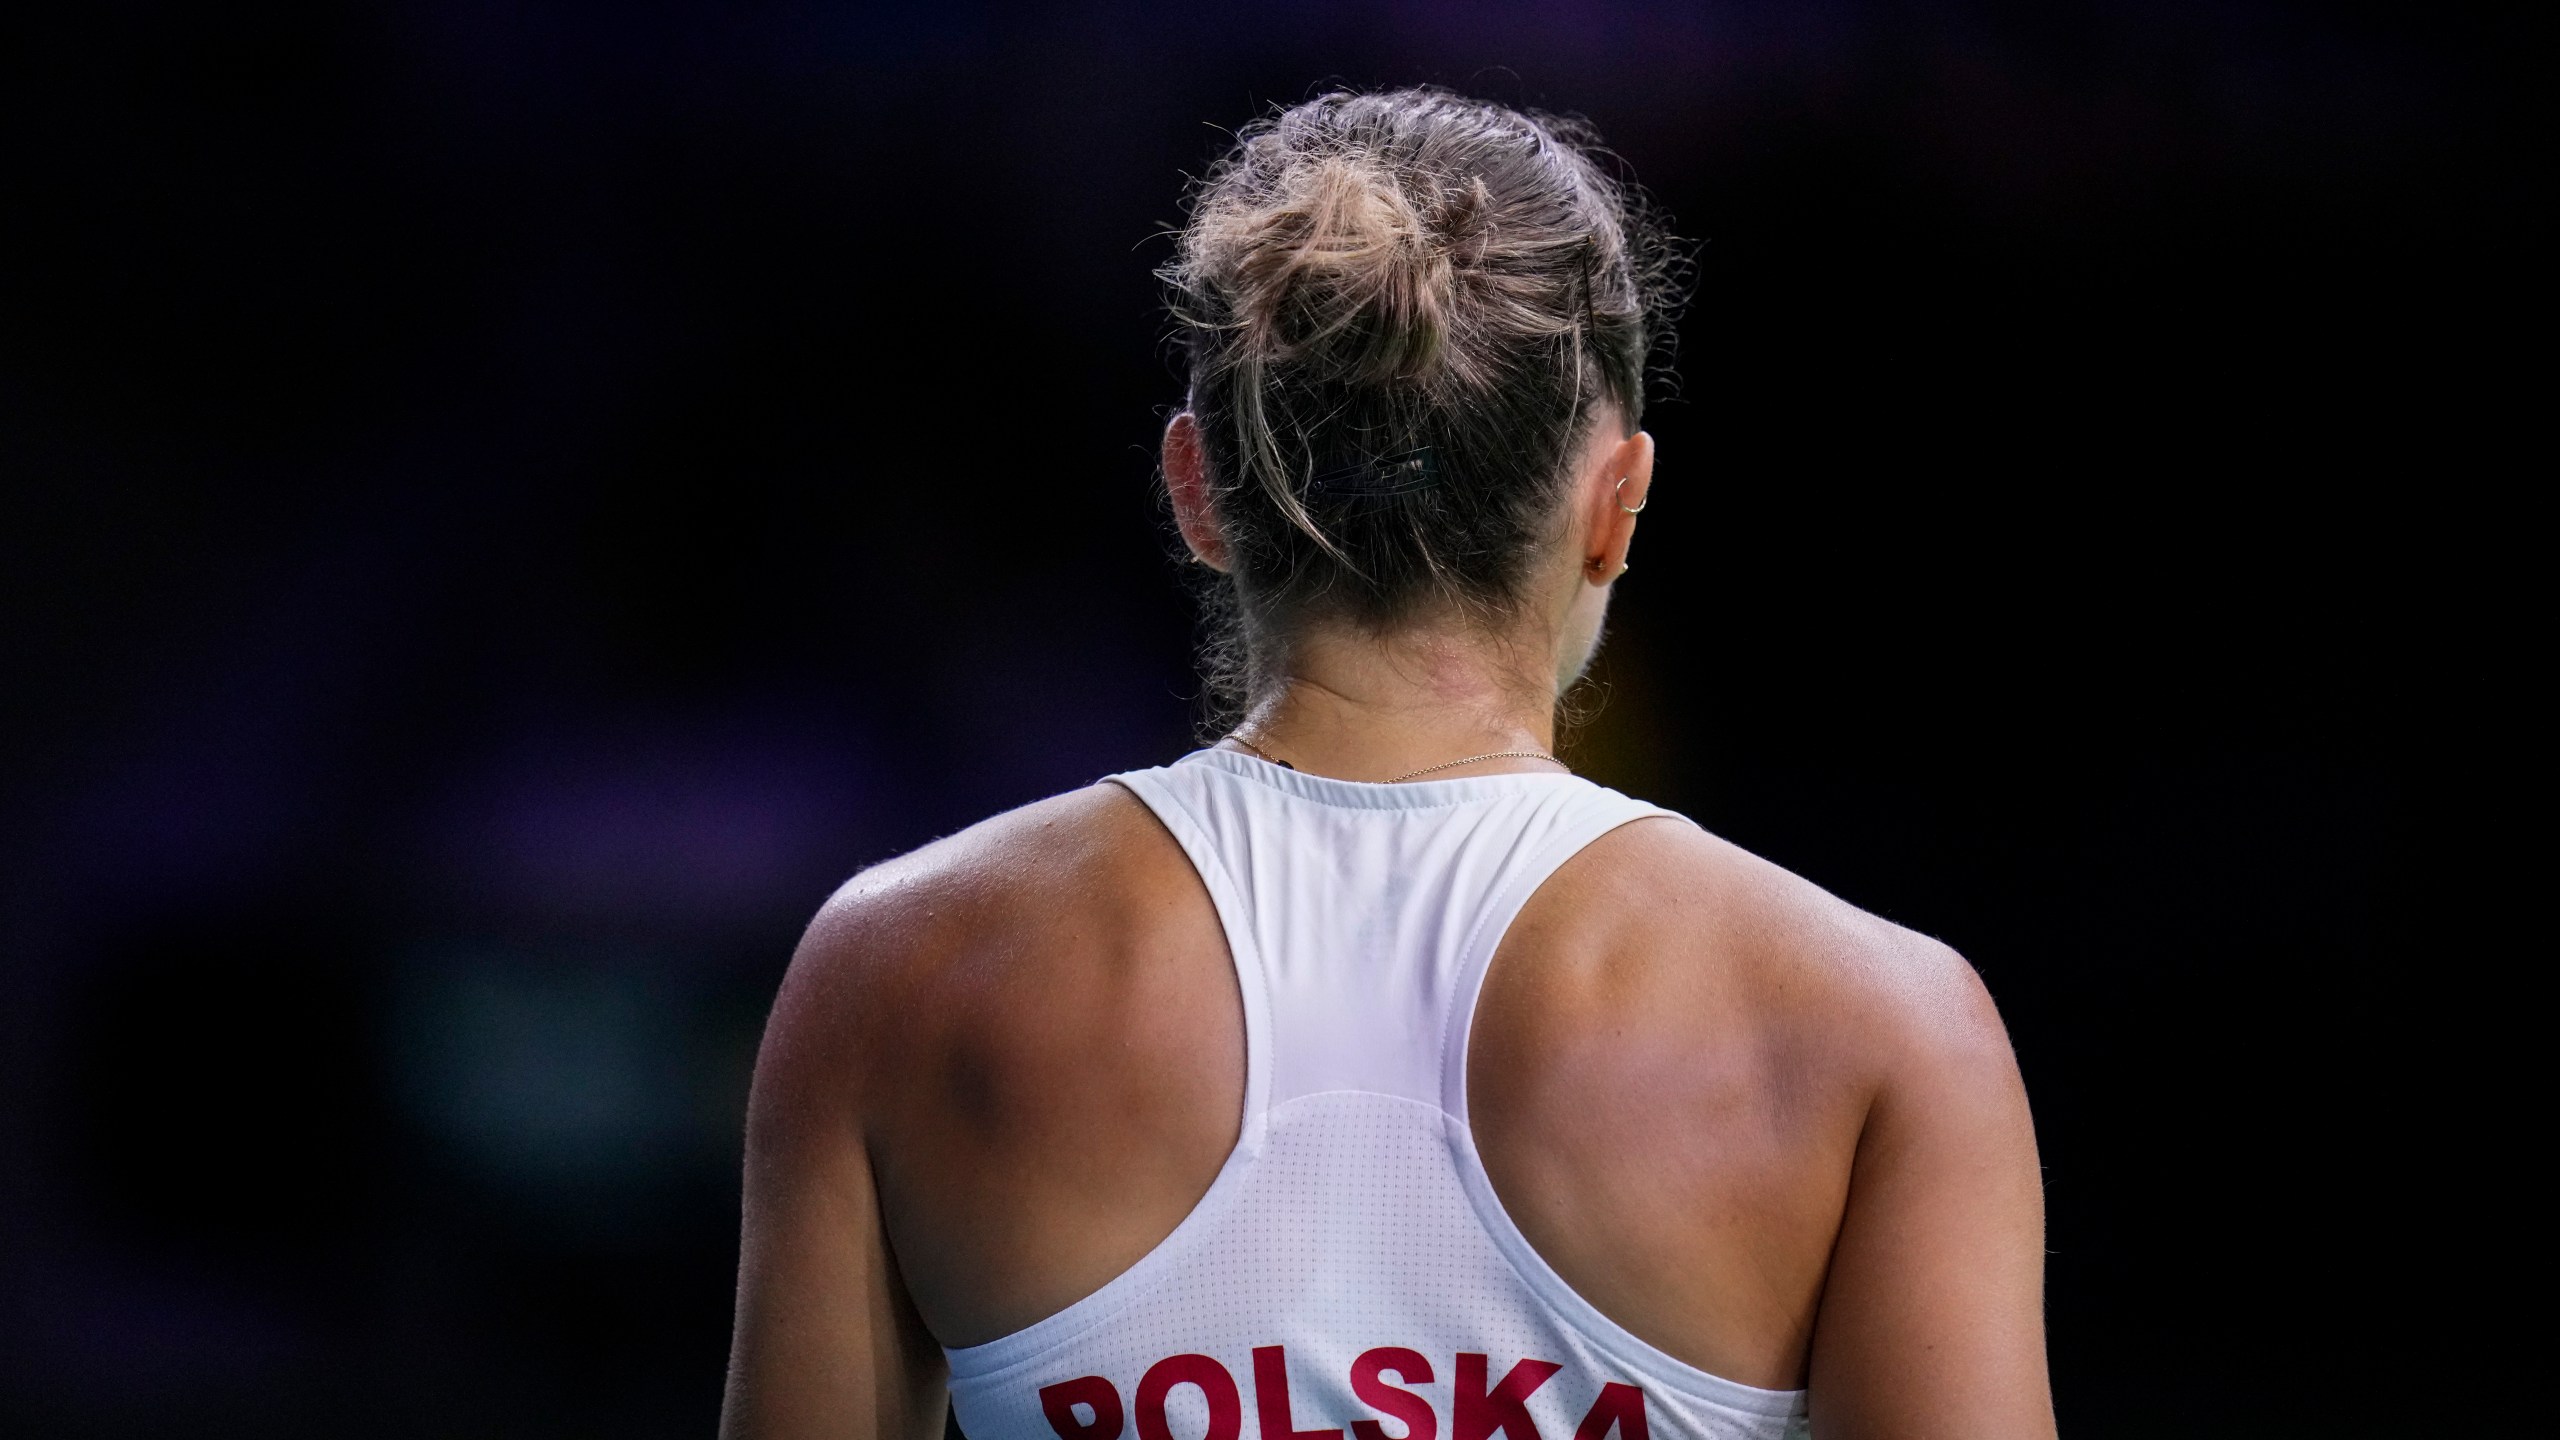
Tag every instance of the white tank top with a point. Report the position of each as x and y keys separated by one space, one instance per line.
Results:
x=1350 y=1270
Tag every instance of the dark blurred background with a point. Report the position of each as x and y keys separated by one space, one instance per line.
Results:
x=507 y=504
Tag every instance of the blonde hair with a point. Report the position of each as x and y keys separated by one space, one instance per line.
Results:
x=1401 y=310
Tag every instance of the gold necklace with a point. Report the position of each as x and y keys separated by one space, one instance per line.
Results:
x=1259 y=753
x=1268 y=757
x=1488 y=755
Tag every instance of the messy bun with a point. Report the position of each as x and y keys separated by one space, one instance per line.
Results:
x=1401 y=310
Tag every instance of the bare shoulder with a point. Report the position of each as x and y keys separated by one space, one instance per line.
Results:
x=1002 y=862
x=1672 y=1075
x=1802 y=950
x=1031 y=1033
x=909 y=936
x=1697 y=939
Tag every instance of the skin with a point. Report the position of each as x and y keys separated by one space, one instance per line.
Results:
x=1776 y=1137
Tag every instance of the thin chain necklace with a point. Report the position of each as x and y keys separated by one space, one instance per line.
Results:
x=1488 y=755
x=1266 y=755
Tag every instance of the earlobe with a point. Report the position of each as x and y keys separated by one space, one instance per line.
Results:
x=1615 y=509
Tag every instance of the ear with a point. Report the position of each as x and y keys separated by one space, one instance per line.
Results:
x=1186 y=483
x=1618 y=489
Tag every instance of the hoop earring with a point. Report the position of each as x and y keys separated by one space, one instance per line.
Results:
x=1621 y=493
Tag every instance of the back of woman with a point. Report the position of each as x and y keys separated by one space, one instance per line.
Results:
x=1368 y=1073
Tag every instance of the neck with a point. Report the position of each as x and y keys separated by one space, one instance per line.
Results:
x=1363 y=707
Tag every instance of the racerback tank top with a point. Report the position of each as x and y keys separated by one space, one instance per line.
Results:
x=1349 y=1270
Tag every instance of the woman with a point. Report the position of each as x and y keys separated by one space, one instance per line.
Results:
x=1369 y=1072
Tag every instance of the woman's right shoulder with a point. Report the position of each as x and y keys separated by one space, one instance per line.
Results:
x=1686 y=917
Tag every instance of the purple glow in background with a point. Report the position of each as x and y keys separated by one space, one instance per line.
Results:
x=504 y=507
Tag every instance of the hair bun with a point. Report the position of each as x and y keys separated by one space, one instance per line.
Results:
x=1403 y=311
x=1338 y=270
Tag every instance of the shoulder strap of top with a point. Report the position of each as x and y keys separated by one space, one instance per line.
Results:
x=1591 y=813
x=1176 y=803
x=1362 y=916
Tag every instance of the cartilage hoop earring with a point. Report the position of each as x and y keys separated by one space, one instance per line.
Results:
x=1621 y=492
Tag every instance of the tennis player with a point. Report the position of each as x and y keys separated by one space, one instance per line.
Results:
x=1368 y=1073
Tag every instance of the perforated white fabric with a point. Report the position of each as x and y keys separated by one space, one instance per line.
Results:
x=1350 y=1270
